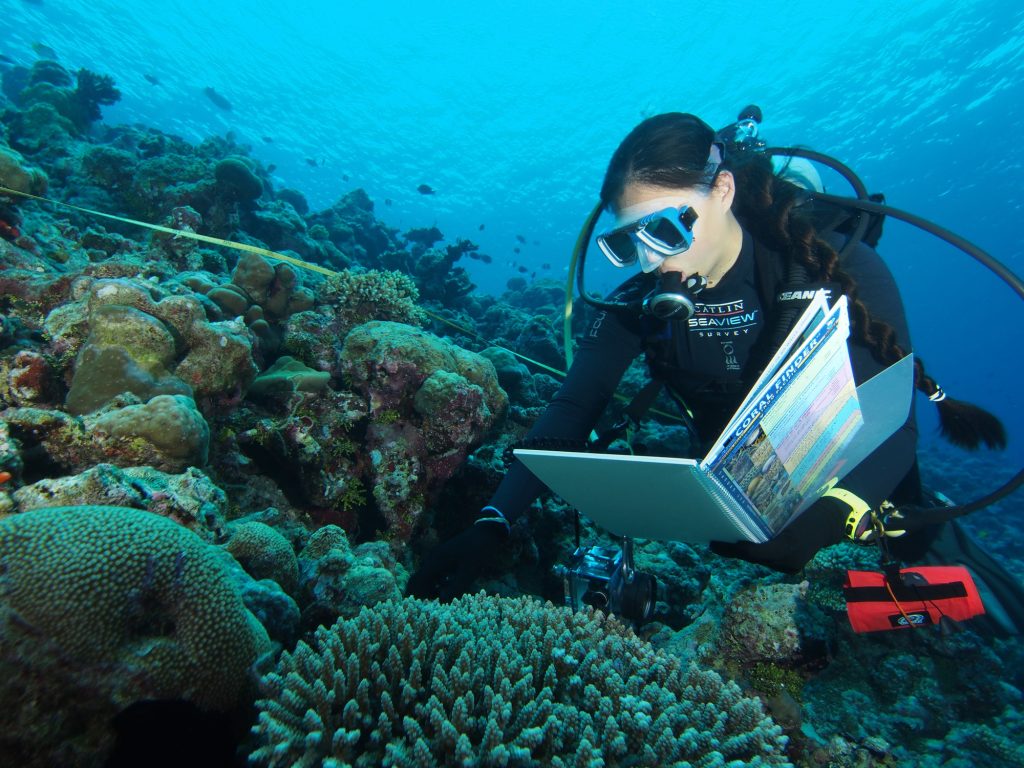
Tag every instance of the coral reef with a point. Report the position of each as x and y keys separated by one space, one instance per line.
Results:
x=15 y=174
x=430 y=402
x=272 y=412
x=498 y=681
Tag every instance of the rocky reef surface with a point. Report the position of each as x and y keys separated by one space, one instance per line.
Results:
x=217 y=470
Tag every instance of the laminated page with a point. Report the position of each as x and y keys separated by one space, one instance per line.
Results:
x=811 y=319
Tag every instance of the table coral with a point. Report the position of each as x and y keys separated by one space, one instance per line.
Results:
x=499 y=681
x=104 y=606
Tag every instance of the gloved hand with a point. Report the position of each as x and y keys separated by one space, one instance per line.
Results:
x=450 y=569
x=820 y=525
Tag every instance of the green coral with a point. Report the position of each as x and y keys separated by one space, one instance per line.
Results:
x=354 y=495
x=772 y=679
x=387 y=416
x=500 y=681
x=104 y=606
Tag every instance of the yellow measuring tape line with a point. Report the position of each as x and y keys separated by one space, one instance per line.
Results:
x=262 y=252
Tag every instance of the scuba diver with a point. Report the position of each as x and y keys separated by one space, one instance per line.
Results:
x=730 y=254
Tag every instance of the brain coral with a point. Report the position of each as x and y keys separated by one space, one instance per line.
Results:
x=104 y=606
x=499 y=681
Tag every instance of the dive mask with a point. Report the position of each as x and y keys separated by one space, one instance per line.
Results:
x=650 y=239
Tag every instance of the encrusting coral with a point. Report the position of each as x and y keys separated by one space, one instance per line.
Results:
x=500 y=681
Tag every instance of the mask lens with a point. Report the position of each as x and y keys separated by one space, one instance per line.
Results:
x=619 y=247
x=665 y=231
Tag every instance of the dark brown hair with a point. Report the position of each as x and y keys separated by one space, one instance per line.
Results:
x=671 y=150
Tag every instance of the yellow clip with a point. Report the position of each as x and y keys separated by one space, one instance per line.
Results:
x=856 y=529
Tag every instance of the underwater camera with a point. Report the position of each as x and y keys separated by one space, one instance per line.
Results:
x=604 y=578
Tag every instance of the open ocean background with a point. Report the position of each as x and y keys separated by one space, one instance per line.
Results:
x=510 y=113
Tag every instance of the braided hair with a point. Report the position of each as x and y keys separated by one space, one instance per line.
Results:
x=671 y=150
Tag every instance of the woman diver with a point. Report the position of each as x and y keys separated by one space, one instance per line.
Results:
x=723 y=241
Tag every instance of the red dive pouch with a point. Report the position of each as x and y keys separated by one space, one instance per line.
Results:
x=919 y=597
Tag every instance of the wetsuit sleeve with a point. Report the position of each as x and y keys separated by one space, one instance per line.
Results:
x=605 y=352
x=874 y=479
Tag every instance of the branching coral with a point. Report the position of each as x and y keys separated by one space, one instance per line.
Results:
x=357 y=297
x=499 y=681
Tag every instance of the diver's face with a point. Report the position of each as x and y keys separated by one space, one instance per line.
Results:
x=715 y=246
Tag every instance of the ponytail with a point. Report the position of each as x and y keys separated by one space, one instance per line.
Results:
x=766 y=205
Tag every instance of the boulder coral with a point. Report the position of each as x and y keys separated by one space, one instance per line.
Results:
x=18 y=175
x=500 y=681
x=167 y=433
x=345 y=300
x=101 y=607
x=260 y=292
x=771 y=623
x=263 y=553
x=126 y=341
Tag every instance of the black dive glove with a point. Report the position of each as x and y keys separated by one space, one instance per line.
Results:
x=450 y=569
x=821 y=524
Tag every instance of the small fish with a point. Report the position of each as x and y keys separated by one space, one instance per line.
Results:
x=521 y=239
x=545 y=266
x=425 y=189
x=312 y=162
x=387 y=201
x=474 y=256
x=344 y=177
x=4 y=477
x=481 y=227
x=515 y=250
x=44 y=51
x=271 y=168
x=524 y=270
x=267 y=139
x=152 y=79
x=217 y=99
x=485 y=258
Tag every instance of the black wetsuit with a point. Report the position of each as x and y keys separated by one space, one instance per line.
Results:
x=713 y=359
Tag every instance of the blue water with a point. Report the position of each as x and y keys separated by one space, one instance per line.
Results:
x=511 y=113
